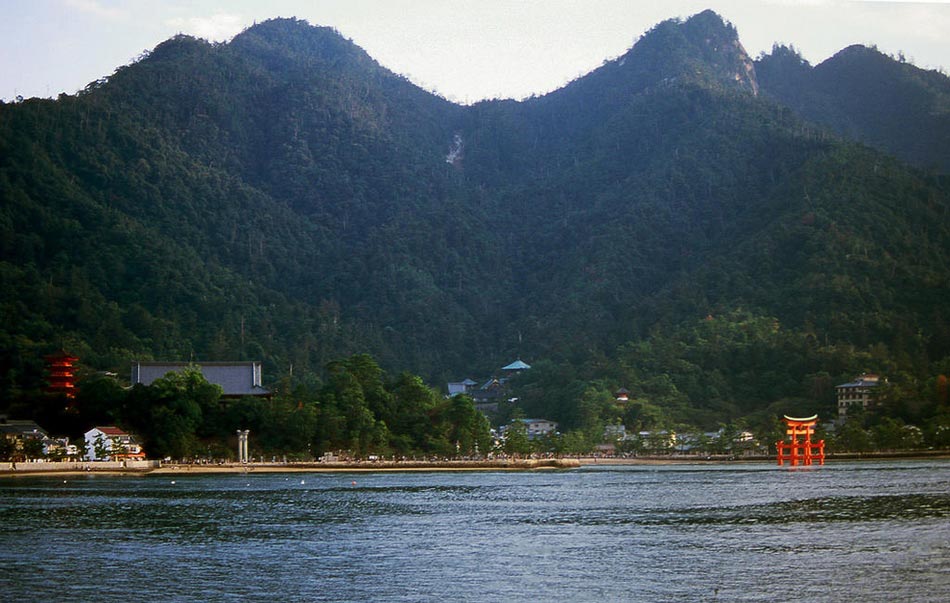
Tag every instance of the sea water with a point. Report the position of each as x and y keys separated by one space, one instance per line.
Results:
x=732 y=532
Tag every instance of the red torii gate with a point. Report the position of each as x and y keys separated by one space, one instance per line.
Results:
x=800 y=451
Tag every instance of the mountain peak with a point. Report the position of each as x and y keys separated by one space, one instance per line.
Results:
x=703 y=47
x=709 y=18
x=292 y=37
x=720 y=44
x=857 y=50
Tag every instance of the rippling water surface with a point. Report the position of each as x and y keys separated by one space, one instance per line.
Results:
x=842 y=532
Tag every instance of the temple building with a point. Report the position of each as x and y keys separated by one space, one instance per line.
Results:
x=62 y=374
x=235 y=378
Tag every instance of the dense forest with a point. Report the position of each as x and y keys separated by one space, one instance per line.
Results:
x=727 y=238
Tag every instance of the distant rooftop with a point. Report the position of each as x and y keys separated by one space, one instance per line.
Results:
x=517 y=365
x=14 y=427
x=865 y=380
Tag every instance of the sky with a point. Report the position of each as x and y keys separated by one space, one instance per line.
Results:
x=465 y=50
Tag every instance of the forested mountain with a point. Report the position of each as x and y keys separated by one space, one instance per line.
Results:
x=679 y=221
x=865 y=95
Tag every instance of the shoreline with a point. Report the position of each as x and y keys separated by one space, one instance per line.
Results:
x=90 y=468
x=725 y=459
x=372 y=466
x=142 y=468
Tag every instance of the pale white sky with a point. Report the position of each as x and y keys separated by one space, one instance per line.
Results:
x=465 y=50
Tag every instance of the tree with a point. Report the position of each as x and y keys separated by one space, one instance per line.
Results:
x=7 y=448
x=468 y=429
x=100 y=400
x=350 y=424
x=101 y=448
x=938 y=432
x=893 y=434
x=852 y=436
x=659 y=442
x=168 y=413
x=573 y=442
x=596 y=409
x=516 y=438
x=415 y=427
x=33 y=448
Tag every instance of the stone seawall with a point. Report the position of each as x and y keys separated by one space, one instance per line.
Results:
x=78 y=467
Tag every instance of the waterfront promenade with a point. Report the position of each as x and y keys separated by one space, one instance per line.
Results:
x=159 y=467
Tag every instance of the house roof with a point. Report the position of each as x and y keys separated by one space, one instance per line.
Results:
x=861 y=383
x=517 y=365
x=111 y=431
x=61 y=355
x=15 y=427
x=491 y=384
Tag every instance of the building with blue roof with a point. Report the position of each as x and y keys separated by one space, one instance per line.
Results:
x=517 y=365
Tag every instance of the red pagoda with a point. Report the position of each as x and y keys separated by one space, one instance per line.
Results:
x=62 y=374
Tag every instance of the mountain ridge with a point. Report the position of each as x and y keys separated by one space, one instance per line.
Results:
x=864 y=95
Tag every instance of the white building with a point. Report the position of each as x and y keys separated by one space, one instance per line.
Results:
x=535 y=428
x=111 y=444
x=461 y=387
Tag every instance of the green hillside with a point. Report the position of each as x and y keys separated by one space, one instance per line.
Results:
x=673 y=222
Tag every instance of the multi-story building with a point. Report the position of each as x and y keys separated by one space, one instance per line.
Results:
x=859 y=392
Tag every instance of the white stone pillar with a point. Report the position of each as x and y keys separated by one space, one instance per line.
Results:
x=242 y=445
